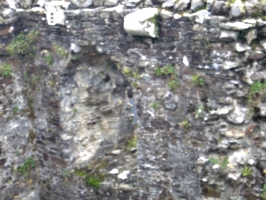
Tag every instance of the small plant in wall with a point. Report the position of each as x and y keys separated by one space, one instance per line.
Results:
x=28 y=165
x=247 y=171
x=155 y=105
x=197 y=80
x=223 y=162
x=185 y=124
x=5 y=70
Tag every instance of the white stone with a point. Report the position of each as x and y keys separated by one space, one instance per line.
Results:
x=55 y=13
x=138 y=23
x=114 y=171
x=216 y=166
x=202 y=160
x=251 y=162
x=251 y=35
x=242 y=47
x=236 y=26
x=168 y=3
x=185 y=61
x=75 y=48
x=123 y=175
x=165 y=14
x=228 y=36
x=234 y=176
x=230 y=64
x=41 y=2
x=181 y=5
x=196 y=4
x=239 y=157
x=237 y=9
x=177 y=16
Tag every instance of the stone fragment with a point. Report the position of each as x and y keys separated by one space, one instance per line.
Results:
x=199 y=16
x=239 y=157
x=231 y=64
x=168 y=4
x=234 y=176
x=210 y=4
x=238 y=115
x=126 y=187
x=116 y=152
x=234 y=132
x=114 y=171
x=251 y=35
x=142 y=22
x=224 y=110
x=123 y=175
x=26 y=3
x=82 y=4
x=228 y=36
x=238 y=26
x=55 y=13
x=237 y=9
x=242 y=47
x=75 y=48
x=111 y=2
x=219 y=8
x=165 y=14
x=8 y=13
x=181 y=5
x=256 y=55
x=196 y=5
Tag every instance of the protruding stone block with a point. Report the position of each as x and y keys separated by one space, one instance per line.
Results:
x=55 y=12
x=142 y=22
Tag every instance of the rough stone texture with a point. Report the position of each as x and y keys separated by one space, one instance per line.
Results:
x=80 y=110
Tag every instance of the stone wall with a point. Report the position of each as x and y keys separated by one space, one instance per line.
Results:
x=198 y=90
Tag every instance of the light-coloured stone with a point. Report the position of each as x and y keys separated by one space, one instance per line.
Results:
x=251 y=35
x=55 y=13
x=181 y=5
x=237 y=9
x=196 y=4
x=242 y=47
x=210 y=4
x=230 y=64
x=168 y=4
x=238 y=26
x=75 y=48
x=228 y=36
x=165 y=14
x=111 y=2
x=139 y=22
x=82 y=4
x=238 y=115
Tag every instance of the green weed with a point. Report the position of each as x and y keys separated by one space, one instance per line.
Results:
x=93 y=180
x=184 y=124
x=246 y=171
x=155 y=105
x=59 y=50
x=29 y=164
x=131 y=143
x=197 y=80
x=48 y=58
x=5 y=70
x=15 y=109
x=222 y=163
x=173 y=84
x=23 y=44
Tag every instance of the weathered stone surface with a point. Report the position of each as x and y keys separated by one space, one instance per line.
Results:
x=142 y=22
x=168 y=4
x=196 y=5
x=219 y=8
x=238 y=26
x=181 y=5
x=228 y=36
x=237 y=9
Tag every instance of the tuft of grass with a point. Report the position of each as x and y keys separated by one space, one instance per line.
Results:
x=173 y=84
x=155 y=20
x=222 y=163
x=131 y=143
x=247 y=171
x=23 y=44
x=167 y=70
x=134 y=84
x=29 y=164
x=185 y=124
x=92 y=180
x=48 y=58
x=59 y=50
x=5 y=70
x=197 y=80
x=155 y=105
x=15 y=109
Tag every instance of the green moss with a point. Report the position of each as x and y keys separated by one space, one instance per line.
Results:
x=131 y=143
x=59 y=50
x=28 y=165
x=185 y=124
x=5 y=70
x=173 y=84
x=223 y=162
x=155 y=105
x=48 y=58
x=155 y=21
x=23 y=44
x=134 y=84
x=197 y=80
x=15 y=110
